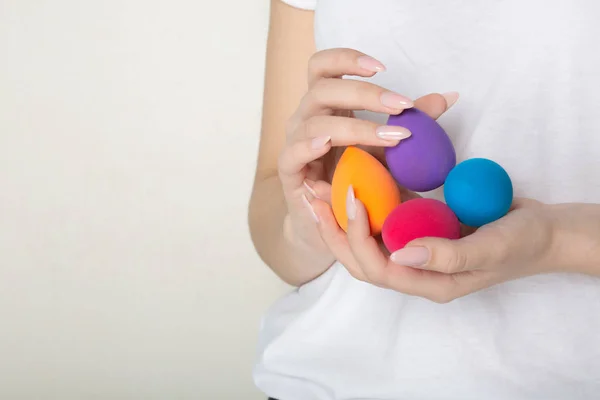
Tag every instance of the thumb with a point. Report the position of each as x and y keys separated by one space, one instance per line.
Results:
x=436 y=104
x=447 y=256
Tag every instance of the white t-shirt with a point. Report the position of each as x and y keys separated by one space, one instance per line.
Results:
x=528 y=72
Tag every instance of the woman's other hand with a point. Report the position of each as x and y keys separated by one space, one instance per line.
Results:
x=533 y=238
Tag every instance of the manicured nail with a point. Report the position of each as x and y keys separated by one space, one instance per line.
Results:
x=370 y=64
x=392 y=132
x=395 y=101
x=451 y=98
x=310 y=208
x=351 y=203
x=411 y=256
x=320 y=142
x=310 y=189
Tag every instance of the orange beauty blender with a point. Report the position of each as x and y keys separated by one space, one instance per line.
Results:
x=373 y=185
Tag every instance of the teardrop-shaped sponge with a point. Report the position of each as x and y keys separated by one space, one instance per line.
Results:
x=373 y=185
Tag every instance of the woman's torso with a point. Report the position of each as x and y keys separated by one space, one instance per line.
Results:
x=528 y=72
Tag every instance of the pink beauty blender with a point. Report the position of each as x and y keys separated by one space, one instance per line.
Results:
x=416 y=219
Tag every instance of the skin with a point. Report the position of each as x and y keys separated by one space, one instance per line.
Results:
x=307 y=122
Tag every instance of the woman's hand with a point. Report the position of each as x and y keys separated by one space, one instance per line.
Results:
x=324 y=120
x=533 y=238
x=294 y=172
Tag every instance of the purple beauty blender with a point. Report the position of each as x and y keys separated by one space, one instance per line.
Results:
x=422 y=162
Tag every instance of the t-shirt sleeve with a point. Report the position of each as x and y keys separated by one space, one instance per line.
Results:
x=303 y=4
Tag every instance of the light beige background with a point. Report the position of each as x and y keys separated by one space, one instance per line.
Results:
x=128 y=135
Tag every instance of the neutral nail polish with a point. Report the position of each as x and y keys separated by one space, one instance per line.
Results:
x=310 y=208
x=370 y=64
x=320 y=142
x=396 y=101
x=451 y=98
x=310 y=190
x=351 y=204
x=411 y=256
x=389 y=132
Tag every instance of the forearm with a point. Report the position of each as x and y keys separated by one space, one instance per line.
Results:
x=293 y=260
x=578 y=237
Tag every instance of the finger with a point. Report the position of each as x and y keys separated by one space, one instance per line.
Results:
x=350 y=131
x=363 y=246
x=380 y=271
x=347 y=94
x=337 y=62
x=295 y=157
x=319 y=190
x=436 y=104
x=335 y=238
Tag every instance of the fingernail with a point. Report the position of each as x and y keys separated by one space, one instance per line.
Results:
x=310 y=189
x=451 y=98
x=320 y=142
x=310 y=208
x=351 y=203
x=411 y=256
x=392 y=132
x=395 y=101
x=370 y=64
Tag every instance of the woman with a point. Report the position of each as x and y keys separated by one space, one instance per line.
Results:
x=511 y=311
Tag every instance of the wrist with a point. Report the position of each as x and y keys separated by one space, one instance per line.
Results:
x=308 y=249
x=276 y=236
x=576 y=233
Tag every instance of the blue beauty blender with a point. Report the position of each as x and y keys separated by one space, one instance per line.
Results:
x=479 y=191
